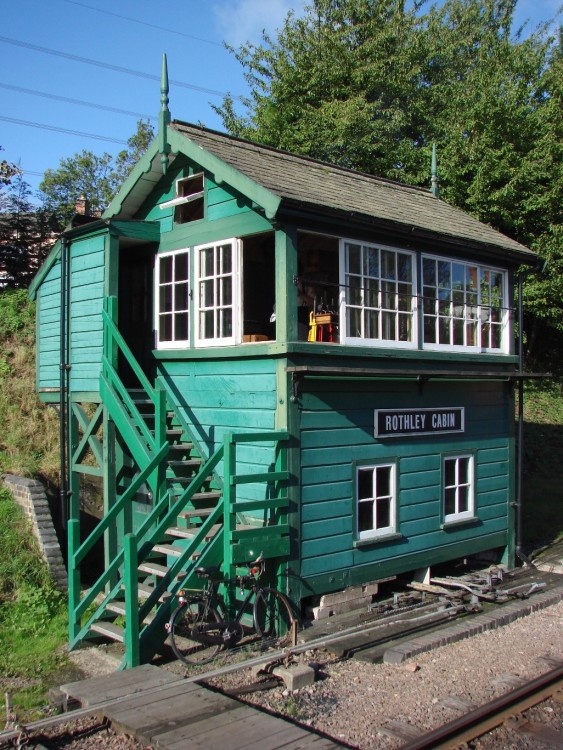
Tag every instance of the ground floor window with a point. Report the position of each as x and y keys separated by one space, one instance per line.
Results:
x=376 y=500
x=458 y=497
x=218 y=293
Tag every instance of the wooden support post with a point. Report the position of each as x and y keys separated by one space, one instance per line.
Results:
x=73 y=581
x=130 y=581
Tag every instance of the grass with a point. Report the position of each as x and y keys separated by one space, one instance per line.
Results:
x=543 y=449
x=29 y=438
x=33 y=617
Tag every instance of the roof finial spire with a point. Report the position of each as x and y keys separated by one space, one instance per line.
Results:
x=164 y=117
x=434 y=172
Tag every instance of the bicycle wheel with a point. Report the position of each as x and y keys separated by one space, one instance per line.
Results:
x=185 y=623
x=274 y=617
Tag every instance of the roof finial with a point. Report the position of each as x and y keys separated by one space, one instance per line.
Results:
x=434 y=172
x=164 y=118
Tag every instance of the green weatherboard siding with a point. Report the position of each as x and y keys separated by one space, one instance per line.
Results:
x=49 y=329
x=337 y=430
x=86 y=294
x=221 y=396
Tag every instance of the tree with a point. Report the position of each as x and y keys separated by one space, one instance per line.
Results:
x=25 y=235
x=7 y=171
x=98 y=178
x=371 y=85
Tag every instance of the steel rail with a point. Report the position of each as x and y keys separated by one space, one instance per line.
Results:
x=491 y=715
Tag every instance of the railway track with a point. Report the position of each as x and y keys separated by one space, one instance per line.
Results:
x=507 y=710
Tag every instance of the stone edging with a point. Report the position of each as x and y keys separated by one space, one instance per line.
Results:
x=30 y=495
x=458 y=632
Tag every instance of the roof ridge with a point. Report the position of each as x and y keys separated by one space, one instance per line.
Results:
x=303 y=157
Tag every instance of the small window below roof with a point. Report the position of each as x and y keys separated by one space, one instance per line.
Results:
x=189 y=201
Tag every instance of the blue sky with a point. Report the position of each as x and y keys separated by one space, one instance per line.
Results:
x=41 y=42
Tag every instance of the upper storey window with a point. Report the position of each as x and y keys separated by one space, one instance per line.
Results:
x=172 y=279
x=189 y=201
x=378 y=295
x=465 y=305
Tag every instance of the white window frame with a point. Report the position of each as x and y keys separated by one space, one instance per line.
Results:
x=379 y=308
x=158 y=313
x=464 y=314
x=377 y=531
x=213 y=282
x=458 y=487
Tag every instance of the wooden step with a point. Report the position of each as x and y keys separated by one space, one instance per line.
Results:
x=188 y=463
x=190 y=533
x=182 y=447
x=168 y=549
x=153 y=569
x=118 y=606
x=145 y=590
x=109 y=630
x=195 y=513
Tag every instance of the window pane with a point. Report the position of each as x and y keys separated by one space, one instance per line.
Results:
x=463 y=470
x=165 y=327
x=372 y=293
x=226 y=322
x=463 y=499
x=388 y=321
x=371 y=262
x=365 y=516
x=181 y=297
x=182 y=269
x=388 y=265
x=404 y=267
x=165 y=298
x=226 y=291
x=181 y=327
x=206 y=293
x=449 y=472
x=226 y=259
x=383 y=481
x=354 y=322
x=354 y=259
x=444 y=275
x=365 y=484
x=165 y=270
x=449 y=505
x=429 y=272
x=206 y=319
x=372 y=324
x=354 y=291
x=383 y=519
x=206 y=262
x=430 y=330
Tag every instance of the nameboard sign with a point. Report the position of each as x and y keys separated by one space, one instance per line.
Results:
x=412 y=422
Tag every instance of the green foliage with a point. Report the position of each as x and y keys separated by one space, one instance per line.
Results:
x=25 y=234
x=17 y=313
x=7 y=171
x=33 y=619
x=29 y=437
x=97 y=178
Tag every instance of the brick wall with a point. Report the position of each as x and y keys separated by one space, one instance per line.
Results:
x=30 y=495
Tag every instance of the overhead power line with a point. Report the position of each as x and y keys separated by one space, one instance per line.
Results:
x=42 y=126
x=107 y=66
x=81 y=102
x=168 y=30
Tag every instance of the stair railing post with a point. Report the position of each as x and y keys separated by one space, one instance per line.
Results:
x=158 y=478
x=229 y=519
x=130 y=581
x=73 y=537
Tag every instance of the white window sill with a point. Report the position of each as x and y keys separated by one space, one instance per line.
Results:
x=382 y=539
x=455 y=522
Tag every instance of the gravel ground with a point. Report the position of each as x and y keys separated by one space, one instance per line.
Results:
x=353 y=701
x=357 y=703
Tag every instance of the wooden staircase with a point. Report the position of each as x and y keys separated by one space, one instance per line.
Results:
x=194 y=518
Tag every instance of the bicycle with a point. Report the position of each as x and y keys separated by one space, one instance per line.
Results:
x=198 y=632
